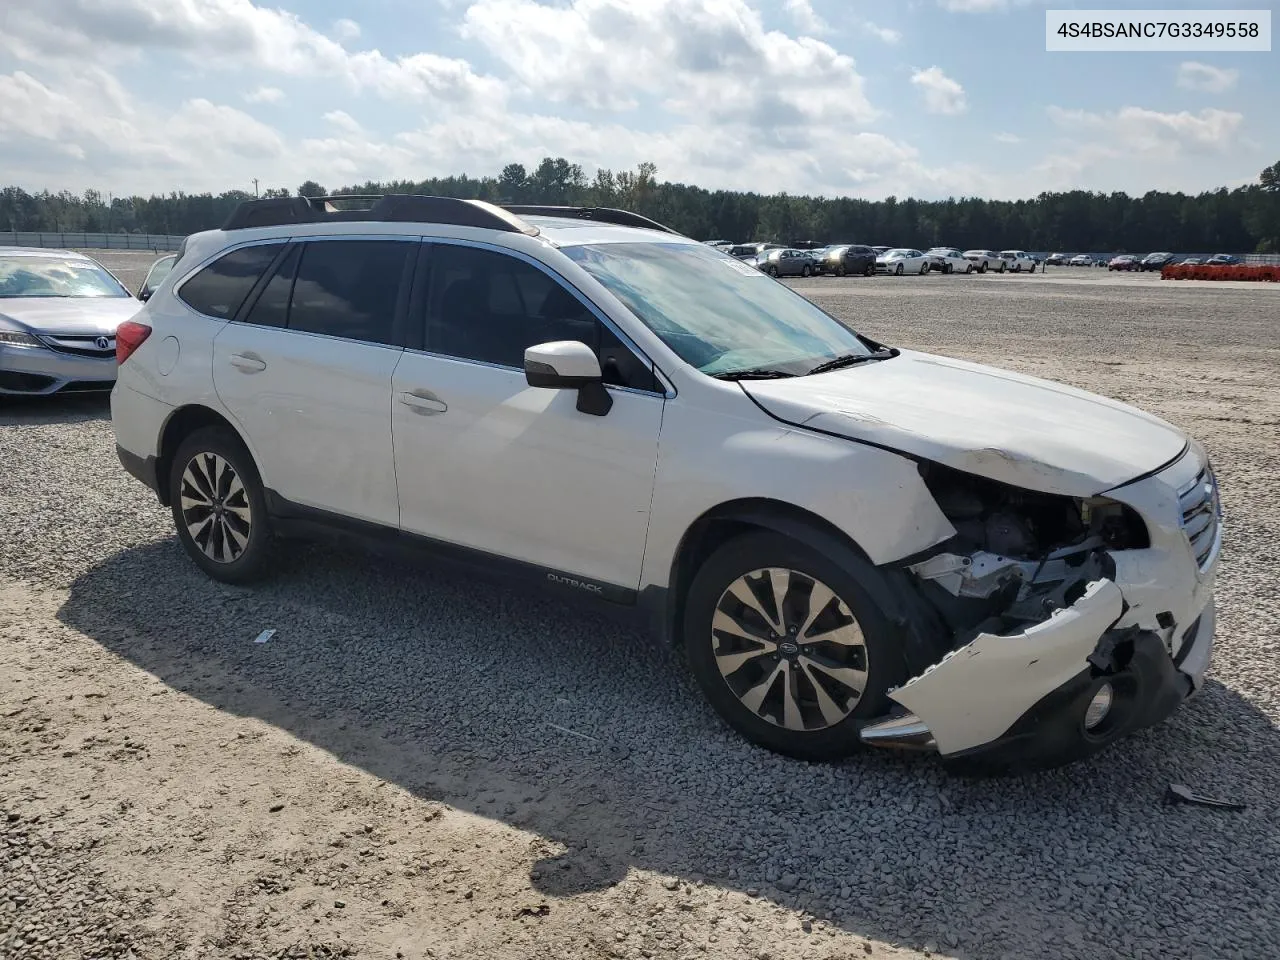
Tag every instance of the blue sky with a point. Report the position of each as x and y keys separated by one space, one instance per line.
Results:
x=925 y=98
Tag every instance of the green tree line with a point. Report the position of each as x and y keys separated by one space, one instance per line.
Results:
x=1246 y=219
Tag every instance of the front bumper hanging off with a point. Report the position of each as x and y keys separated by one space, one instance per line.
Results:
x=973 y=704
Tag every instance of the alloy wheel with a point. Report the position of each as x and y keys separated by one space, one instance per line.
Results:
x=789 y=649
x=215 y=507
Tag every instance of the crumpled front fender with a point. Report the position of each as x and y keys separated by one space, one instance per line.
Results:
x=976 y=693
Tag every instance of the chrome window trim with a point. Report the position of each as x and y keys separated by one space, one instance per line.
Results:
x=669 y=392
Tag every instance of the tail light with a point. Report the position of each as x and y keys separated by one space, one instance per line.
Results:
x=129 y=337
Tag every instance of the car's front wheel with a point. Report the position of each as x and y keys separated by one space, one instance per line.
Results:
x=788 y=646
x=219 y=508
x=805 y=271
x=898 y=272
x=871 y=270
x=948 y=268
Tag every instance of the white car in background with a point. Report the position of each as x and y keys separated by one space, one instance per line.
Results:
x=1019 y=260
x=902 y=260
x=1081 y=260
x=852 y=543
x=985 y=260
x=949 y=260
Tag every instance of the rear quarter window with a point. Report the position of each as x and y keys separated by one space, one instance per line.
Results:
x=220 y=288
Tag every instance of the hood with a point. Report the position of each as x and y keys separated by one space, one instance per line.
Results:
x=1016 y=429
x=70 y=315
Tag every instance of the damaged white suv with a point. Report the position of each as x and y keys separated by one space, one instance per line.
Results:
x=852 y=543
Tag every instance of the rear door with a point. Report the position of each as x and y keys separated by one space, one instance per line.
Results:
x=485 y=461
x=306 y=366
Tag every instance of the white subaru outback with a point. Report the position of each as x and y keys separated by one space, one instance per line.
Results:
x=852 y=543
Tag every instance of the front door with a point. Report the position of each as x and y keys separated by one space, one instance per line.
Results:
x=485 y=461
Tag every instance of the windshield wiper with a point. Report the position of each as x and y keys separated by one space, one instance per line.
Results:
x=849 y=359
x=758 y=374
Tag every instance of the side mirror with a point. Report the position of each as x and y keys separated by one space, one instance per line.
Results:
x=145 y=294
x=569 y=365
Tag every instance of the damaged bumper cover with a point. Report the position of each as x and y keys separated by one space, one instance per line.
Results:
x=1021 y=699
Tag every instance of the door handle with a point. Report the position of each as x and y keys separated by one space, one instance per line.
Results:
x=424 y=402
x=247 y=364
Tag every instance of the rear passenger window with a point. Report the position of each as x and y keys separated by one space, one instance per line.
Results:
x=220 y=288
x=272 y=308
x=490 y=307
x=349 y=288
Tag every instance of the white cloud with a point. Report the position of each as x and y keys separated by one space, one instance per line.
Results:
x=885 y=34
x=941 y=93
x=805 y=17
x=982 y=6
x=343 y=121
x=706 y=59
x=264 y=95
x=1138 y=130
x=1201 y=76
x=345 y=30
x=1007 y=138
x=235 y=32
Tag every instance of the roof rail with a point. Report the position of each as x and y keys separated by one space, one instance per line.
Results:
x=623 y=218
x=394 y=208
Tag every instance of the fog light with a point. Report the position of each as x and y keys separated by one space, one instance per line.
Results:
x=1099 y=707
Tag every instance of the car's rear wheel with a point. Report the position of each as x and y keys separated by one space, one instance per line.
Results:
x=771 y=270
x=840 y=271
x=924 y=268
x=982 y=268
x=1033 y=269
x=1017 y=268
x=788 y=646
x=219 y=508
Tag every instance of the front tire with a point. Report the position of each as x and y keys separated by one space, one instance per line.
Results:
x=219 y=508
x=805 y=271
x=948 y=268
x=1002 y=266
x=898 y=272
x=772 y=271
x=788 y=646
x=871 y=270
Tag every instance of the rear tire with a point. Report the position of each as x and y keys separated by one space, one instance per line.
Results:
x=219 y=507
x=772 y=271
x=749 y=678
x=924 y=268
x=840 y=271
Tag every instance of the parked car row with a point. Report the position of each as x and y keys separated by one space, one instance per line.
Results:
x=1152 y=262
x=855 y=259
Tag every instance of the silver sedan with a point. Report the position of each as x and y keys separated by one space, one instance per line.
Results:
x=58 y=317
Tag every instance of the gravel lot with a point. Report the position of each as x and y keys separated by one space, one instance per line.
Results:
x=422 y=765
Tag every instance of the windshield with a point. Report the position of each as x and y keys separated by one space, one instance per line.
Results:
x=899 y=253
x=717 y=314
x=42 y=276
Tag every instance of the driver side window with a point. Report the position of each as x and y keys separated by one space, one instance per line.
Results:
x=488 y=306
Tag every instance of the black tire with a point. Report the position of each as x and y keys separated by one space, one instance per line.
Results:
x=982 y=268
x=871 y=270
x=1017 y=268
x=251 y=561
x=1033 y=268
x=772 y=271
x=880 y=654
x=948 y=268
x=1002 y=266
x=840 y=271
x=805 y=271
x=898 y=272
x=968 y=270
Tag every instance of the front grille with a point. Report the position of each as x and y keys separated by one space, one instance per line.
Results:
x=1201 y=514
x=82 y=346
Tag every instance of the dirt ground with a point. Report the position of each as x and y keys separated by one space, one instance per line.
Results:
x=418 y=765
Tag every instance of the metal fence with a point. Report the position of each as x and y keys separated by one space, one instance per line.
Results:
x=95 y=241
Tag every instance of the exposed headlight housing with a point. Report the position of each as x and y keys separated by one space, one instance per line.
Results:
x=15 y=339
